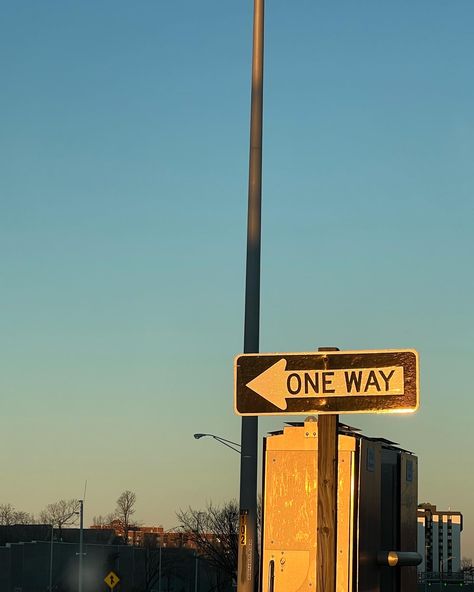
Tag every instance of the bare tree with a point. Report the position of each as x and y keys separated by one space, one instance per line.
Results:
x=61 y=513
x=104 y=521
x=466 y=564
x=9 y=516
x=214 y=533
x=7 y=513
x=22 y=517
x=125 y=510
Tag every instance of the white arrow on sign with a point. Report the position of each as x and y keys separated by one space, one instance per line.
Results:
x=277 y=384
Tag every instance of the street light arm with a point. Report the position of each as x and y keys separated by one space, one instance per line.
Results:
x=226 y=443
x=229 y=443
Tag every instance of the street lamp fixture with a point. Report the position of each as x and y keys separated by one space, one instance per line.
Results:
x=232 y=445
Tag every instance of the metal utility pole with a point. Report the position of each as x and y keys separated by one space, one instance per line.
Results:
x=159 y=565
x=51 y=548
x=247 y=564
x=81 y=541
x=196 y=572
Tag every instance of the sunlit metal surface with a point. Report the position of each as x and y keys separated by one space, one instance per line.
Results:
x=290 y=503
x=377 y=501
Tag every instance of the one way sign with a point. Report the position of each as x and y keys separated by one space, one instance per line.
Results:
x=382 y=381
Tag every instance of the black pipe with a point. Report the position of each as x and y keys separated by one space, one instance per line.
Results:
x=399 y=558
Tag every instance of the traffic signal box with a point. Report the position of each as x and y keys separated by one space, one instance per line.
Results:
x=376 y=505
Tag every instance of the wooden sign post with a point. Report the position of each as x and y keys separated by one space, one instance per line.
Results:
x=326 y=536
x=326 y=543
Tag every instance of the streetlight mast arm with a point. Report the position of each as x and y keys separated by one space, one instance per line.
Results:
x=228 y=443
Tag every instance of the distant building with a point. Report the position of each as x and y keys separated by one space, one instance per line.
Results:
x=150 y=536
x=439 y=542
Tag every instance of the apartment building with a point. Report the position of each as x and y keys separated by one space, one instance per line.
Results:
x=439 y=540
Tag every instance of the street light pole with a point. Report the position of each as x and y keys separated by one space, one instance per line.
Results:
x=196 y=571
x=443 y=562
x=159 y=555
x=246 y=571
x=426 y=565
x=159 y=567
x=50 y=587
x=81 y=541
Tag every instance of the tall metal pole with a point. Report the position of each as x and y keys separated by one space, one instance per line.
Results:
x=196 y=571
x=159 y=564
x=50 y=587
x=247 y=563
x=81 y=541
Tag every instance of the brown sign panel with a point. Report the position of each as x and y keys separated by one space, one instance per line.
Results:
x=383 y=381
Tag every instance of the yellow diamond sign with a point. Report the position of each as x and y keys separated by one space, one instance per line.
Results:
x=111 y=579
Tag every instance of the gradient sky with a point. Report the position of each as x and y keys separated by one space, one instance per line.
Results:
x=123 y=190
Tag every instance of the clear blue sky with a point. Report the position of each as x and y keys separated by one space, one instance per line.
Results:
x=124 y=156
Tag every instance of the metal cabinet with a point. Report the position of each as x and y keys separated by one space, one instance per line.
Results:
x=377 y=500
